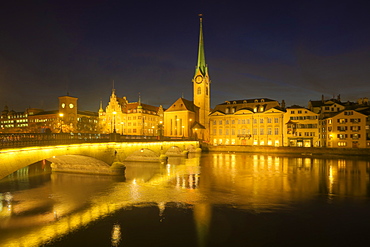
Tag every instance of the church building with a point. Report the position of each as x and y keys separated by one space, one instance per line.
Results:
x=189 y=119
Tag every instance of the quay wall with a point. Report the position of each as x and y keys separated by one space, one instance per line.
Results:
x=288 y=150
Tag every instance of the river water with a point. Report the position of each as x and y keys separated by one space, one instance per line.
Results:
x=205 y=200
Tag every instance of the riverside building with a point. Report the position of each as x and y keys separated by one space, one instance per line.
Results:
x=247 y=122
x=301 y=127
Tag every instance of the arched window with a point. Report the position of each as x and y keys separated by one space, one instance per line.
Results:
x=206 y=90
x=199 y=91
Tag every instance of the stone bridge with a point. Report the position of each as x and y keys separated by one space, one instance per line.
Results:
x=12 y=160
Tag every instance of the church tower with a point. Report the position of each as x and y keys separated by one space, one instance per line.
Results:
x=202 y=84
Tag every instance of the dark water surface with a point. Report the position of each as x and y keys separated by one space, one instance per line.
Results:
x=208 y=200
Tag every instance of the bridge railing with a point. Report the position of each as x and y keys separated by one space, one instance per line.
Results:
x=9 y=140
x=42 y=139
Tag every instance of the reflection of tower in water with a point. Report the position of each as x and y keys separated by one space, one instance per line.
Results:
x=116 y=235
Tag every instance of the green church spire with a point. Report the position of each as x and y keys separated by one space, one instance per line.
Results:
x=201 y=64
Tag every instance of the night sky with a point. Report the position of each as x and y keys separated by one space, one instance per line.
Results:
x=284 y=50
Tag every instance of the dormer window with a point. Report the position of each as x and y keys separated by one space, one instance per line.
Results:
x=262 y=100
x=256 y=101
x=234 y=102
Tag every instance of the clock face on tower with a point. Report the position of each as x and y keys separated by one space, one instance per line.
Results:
x=63 y=105
x=71 y=105
x=198 y=79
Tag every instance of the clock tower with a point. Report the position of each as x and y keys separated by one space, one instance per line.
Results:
x=202 y=85
x=68 y=111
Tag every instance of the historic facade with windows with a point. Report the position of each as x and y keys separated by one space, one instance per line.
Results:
x=247 y=122
x=344 y=129
x=66 y=119
x=122 y=117
x=301 y=127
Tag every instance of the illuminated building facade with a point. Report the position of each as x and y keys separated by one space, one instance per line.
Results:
x=344 y=129
x=15 y=122
x=301 y=127
x=190 y=119
x=342 y=124
x=66 y=119
x=247 y=122
x=179 y=119
x=134 y=118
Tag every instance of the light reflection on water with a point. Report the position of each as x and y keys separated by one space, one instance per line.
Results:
x=41 y=207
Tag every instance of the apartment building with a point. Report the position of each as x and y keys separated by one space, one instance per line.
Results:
x=301 y=128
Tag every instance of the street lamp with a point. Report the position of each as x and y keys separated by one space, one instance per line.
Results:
x=190 y=130
x=114 y=121
x=61 y=122
x=160 y=129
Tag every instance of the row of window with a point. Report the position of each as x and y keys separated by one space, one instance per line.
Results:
x=141 y=117
x=345 y=128
x=13 y=125
x=306 y=126
x=304 y=134
x=24 y=120
x=304 y=118
x=298 y=112
x=345 y=136
x=146 y=131
x=246 y=121
x=13 y=116
x=262 y=131
x=243 y=142
x=343 y=121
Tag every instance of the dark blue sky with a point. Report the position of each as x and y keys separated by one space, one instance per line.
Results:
x=291 y=50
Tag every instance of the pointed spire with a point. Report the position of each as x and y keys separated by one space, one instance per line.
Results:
x=139 y=106
x=201 y=63
x=101 y=106
x=113 y=89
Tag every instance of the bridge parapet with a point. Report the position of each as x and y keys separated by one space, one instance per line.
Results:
x=12 y=160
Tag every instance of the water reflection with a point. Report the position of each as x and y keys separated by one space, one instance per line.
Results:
x=59 y=203
x=116 y=235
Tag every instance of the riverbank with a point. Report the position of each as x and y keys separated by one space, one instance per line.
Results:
x=288 y=150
